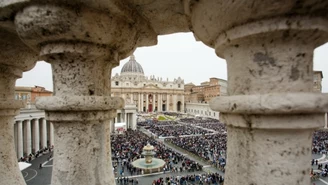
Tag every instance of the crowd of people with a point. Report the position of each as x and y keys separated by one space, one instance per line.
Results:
x=128 y=147
x=208 y=123
x=320 y=142
x=209 y=148
x=33 y=155
x=200 y=179
x=176 y=130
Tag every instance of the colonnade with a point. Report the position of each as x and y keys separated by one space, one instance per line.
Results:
x=31 y=135
x=270 y=111
x=160 y=102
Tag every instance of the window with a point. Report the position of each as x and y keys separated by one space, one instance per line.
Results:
x=127 y=84
x=24 y=96
x=179 y=85
x=116 y=83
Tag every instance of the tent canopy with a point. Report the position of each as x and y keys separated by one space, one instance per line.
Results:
x=118 y=125
x=23 y=165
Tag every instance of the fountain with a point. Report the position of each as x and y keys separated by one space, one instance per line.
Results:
x=149 y=164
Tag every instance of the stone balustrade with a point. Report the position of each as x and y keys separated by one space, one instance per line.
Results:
x=268 y=46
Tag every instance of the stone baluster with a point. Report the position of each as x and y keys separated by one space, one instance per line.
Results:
x=82 y=44
x=15 y=58
x=80 y=117
x=271 y=112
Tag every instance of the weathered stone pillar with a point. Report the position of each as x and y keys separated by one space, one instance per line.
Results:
x=15 y=58
x=271 y=112
x=9 y=108
x=80 y=114
x=51 y=135
x=83 y=43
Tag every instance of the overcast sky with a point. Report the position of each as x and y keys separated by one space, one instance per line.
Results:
x=177 y=55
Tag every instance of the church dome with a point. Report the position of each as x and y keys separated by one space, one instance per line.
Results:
x=132 y=67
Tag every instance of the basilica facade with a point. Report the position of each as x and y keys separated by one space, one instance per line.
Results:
x=149 y=94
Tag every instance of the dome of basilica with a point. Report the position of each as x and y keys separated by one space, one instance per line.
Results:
x=132 y=67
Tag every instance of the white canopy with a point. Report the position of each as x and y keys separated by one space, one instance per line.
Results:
x=23 y=165
x=119 y=125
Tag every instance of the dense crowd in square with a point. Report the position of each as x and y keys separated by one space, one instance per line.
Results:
x=197 y=179
x=320 y=142
x=176 y=130
x=209 y=148
x=208 y=123
x=128 y=147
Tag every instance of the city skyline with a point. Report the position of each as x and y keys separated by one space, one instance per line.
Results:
x=176 y=55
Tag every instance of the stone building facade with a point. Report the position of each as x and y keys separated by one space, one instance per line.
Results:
x=268 y=46
x=29 y=94
x=149 y=94
x=204 y=92
x=202 y=110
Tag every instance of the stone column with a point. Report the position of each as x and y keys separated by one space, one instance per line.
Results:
x=271 y=112
x=16 y=136
x=138 y=106
x=82 y=42
x=168 y=102
x=51 y=135
x=142 y=102
x=122 y=115
x=325 y=120
x=147 y=103
x=183 y=104
x=159 y=102
x=112 y=126
x=15 y=58
x=128 y=121
x=175 y=102
x=44 y=133
x=19 y=139
x=81 y=133
x=134 y=121
x=36 y=138
x=28 y=138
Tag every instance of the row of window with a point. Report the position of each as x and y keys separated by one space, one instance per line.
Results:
x=22 y=96
x=135 y=84
x=206 y=113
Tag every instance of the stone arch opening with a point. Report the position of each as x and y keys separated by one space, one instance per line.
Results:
x=179 y=104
